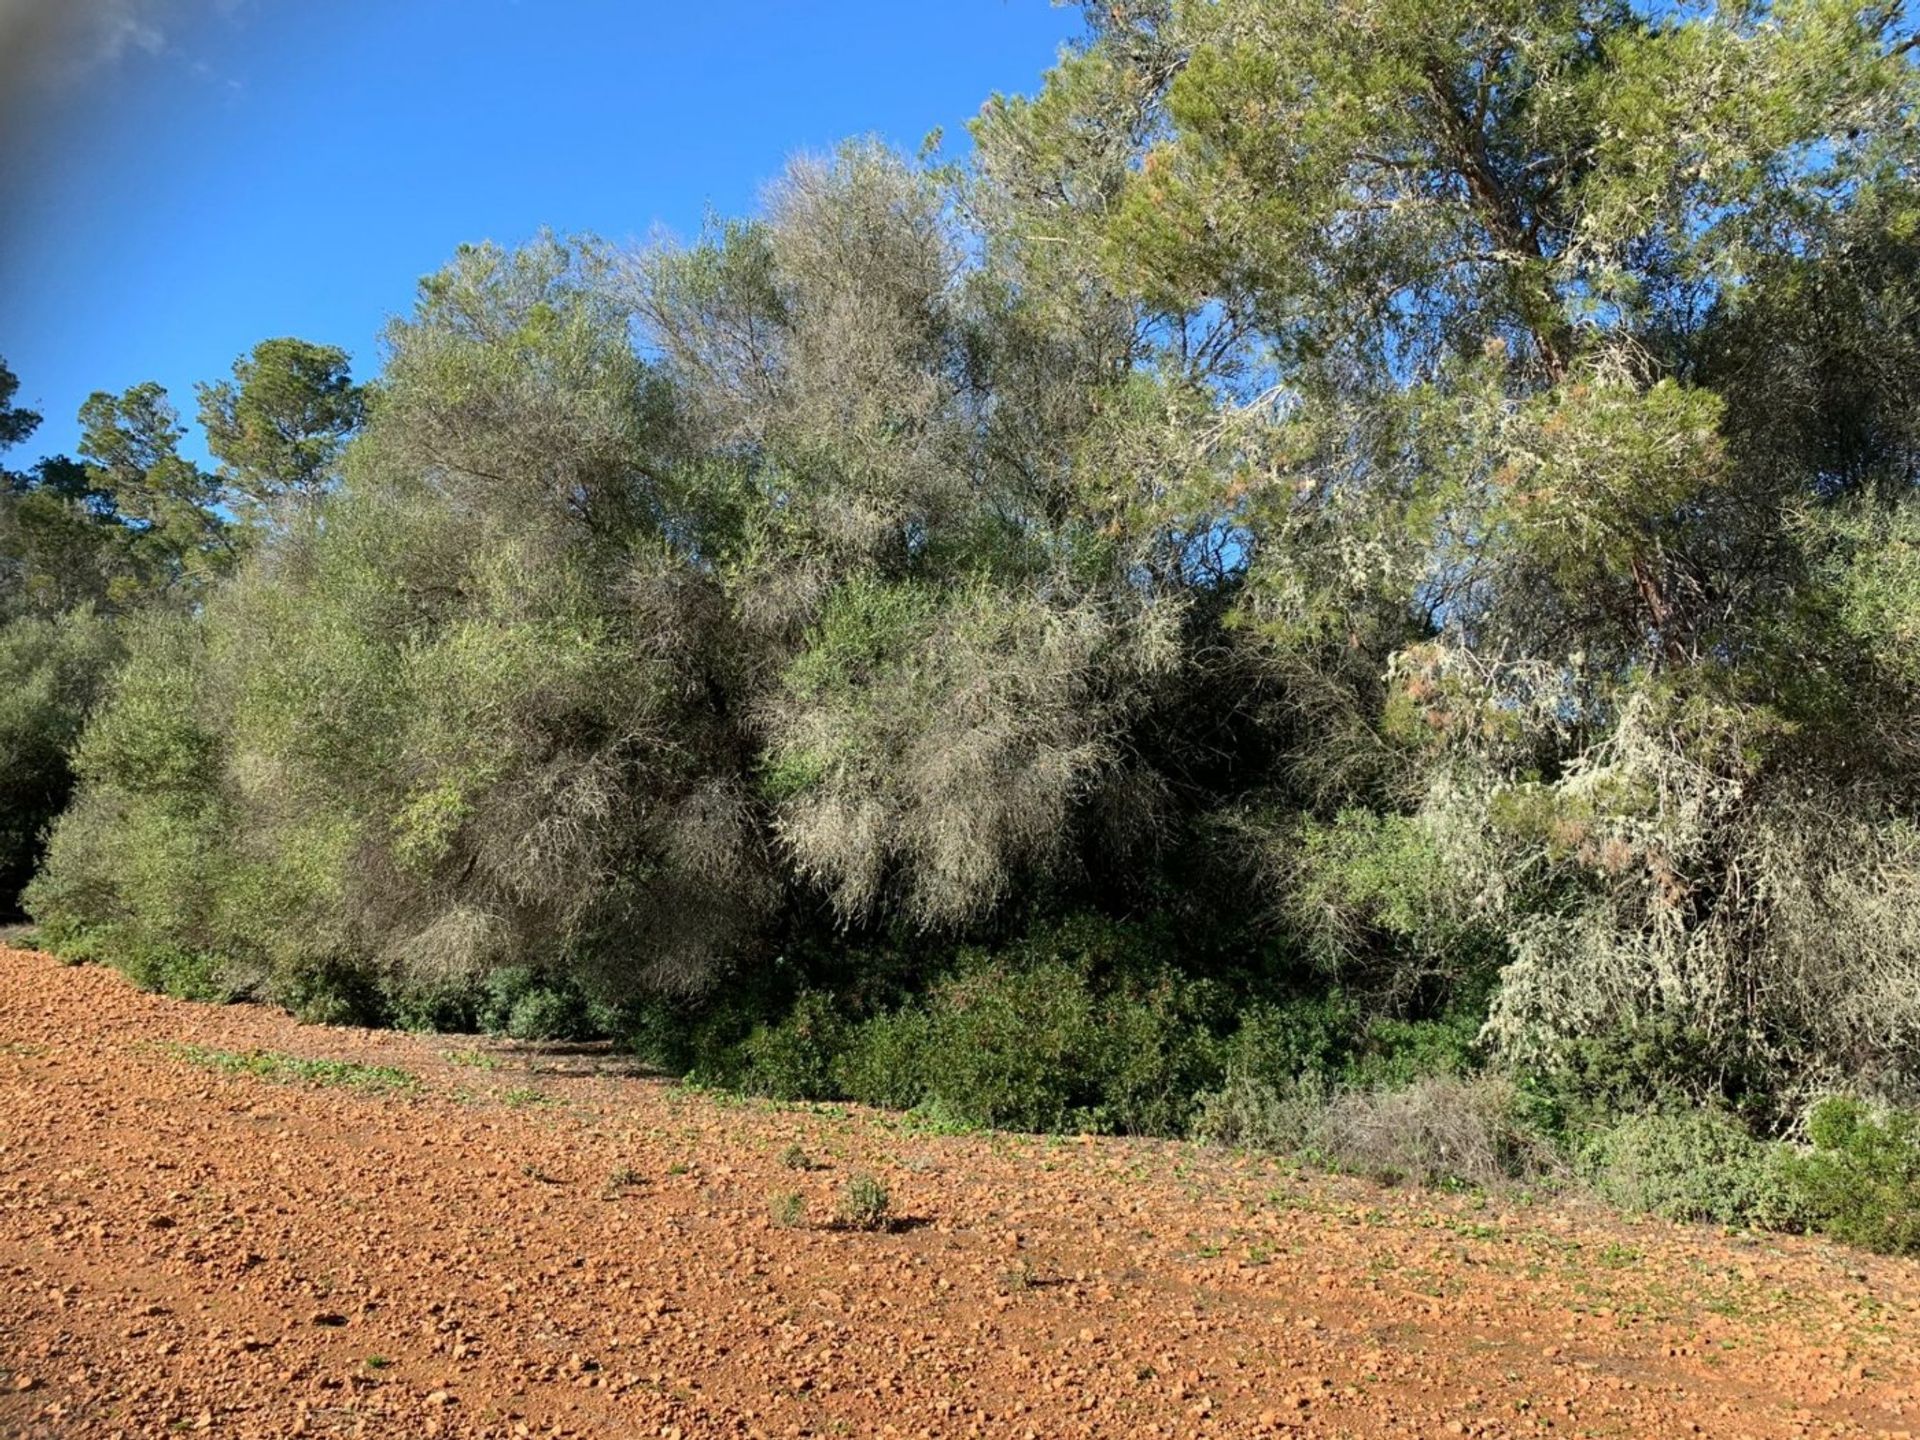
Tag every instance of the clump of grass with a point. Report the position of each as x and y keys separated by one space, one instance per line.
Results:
x=788 y=1209
x=292 y=1069
x=864 y=1203
x=794 y=1158
x=624 y=1177
x=523 y=1096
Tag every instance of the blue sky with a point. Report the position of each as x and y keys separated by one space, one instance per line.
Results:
x=202 y=174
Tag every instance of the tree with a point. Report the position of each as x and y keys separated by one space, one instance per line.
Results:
x=16 y=424
x=279 y=426
x=131 y=445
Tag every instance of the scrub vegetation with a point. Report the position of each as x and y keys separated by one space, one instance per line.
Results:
x=1348 y=580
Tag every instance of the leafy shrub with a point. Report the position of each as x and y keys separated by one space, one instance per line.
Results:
x=864 y=1202
x=335 y=994
x=1694 y=1165
x=794 y=1059
x=1587 y=1083
x=52 y=671
x=1047 y=1048
x=1255 y=1114
x=889 y=1060
x=1279 y=1042
x=1861 y=1181
x=447 y=1007
x=183 y=974
x=1394 y=1054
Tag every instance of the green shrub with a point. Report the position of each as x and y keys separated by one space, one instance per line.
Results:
x=889 y=1060
x=1255 y=1114
x=183 y=974
x=1280 y=1042
x=1046 y=1048
x=333 y=994
x=1861 y=1181
x=1395 y=1054
x=864 y=1202
x=794 y=1059
x=447 y=1007
x=1694 y=1165
x=53 y=670
x=528 y=1003
x=1586 y=1084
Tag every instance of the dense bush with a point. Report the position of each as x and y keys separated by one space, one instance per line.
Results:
x=1861 y=1181
x=1697 y=1165
x=51 y=673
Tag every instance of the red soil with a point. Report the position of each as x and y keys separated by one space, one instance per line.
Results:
x=185 y=1251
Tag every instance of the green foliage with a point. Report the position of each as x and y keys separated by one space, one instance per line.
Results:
x=52 y=671
x=1650 y=1066
x=1696 y=1165
x=864 y=1202
x=293 y=1069
x=794 y=1059
x=278 y=427
x=1861 y=1181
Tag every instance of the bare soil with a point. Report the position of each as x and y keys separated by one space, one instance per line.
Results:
x=534 y=1242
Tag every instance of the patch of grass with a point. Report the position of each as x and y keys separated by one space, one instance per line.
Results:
x=788 y=1209
x=286 y=1069
x=522 y=1097
x=864 y=1202
x=794 y=1158
x=472 y=1059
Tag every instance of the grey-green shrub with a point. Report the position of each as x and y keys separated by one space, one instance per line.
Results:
x=1695 y=1165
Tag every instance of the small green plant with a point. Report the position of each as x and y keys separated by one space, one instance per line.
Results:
x=624 y=1177
x=523 y=1096
x=794 y=1158
x=378 y=1362
x=788 y=1209
x=292 y=1069
x=864 y=1203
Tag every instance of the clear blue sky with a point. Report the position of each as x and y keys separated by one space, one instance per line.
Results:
x=208 y=173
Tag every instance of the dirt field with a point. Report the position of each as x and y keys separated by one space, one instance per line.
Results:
x=529 y=1243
